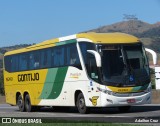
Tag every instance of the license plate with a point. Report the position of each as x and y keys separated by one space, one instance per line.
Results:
x=131 y=100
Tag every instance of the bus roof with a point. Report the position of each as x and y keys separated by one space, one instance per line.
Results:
x=109 y=38
x=103 y=38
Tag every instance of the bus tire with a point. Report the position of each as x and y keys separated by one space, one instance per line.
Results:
x=27 y=103
x=20 y=103
x=80 y=103
x=124 y=108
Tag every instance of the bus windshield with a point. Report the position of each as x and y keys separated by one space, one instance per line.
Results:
x=124 y=65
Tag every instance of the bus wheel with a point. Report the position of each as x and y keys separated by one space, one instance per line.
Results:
x=27 y=103
x=80 y=103
x=124 y=108
x=20 y=103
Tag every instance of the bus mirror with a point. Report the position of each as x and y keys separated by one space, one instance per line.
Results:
x=97 y=57
x=154 y=55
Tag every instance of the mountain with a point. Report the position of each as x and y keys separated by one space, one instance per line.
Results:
x=131 y=27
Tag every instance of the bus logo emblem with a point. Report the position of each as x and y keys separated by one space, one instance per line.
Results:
x=94 y=100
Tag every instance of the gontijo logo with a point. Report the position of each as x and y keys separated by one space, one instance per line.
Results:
x=28 y=77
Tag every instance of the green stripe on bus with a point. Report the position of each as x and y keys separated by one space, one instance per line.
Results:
x=144 y=87
x=137 y=88
x=58 y=83
x=54 y=83
x=66 y=42
x=140 y=88
x=48 y=85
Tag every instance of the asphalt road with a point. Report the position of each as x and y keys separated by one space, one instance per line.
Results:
x=151 y=111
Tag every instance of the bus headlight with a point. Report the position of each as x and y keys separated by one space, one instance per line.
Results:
x=105 y=91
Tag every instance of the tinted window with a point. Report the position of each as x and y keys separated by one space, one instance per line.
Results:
x=72 y=56
x=89 y=60
x=7 y=61
x=23 y=59
x=45 y=58
x=11 y=63
x=59 y=56
x=34 y=60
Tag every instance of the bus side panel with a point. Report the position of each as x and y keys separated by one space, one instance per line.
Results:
x=77 y=80
x=52 y=90
x=73 y=80
x=54 y=86
x=60 y=88
x=9 y=95
x=30 y=82
x=9 y=89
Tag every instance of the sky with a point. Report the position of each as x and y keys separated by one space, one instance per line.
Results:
x=33 y=21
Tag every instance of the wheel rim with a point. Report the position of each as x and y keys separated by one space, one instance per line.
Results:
x=20 y=103
x=81 y=103
x=27 y=104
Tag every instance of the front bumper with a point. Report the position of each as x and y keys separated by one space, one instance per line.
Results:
x=111 y=100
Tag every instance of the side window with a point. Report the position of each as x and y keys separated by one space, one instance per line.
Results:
x=52 y=57
x=89 y=60
x=31 y=59
x=58 y=56
x=11 y=63
x=92 y=67
x=23 y=58
x=7 y=63
x=15 y=63
x=72 y=56
x=34 y=60
x=45 y=58
x=61 y=56
x=83 y=48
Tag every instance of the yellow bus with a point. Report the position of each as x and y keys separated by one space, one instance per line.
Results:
x=84 y=70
